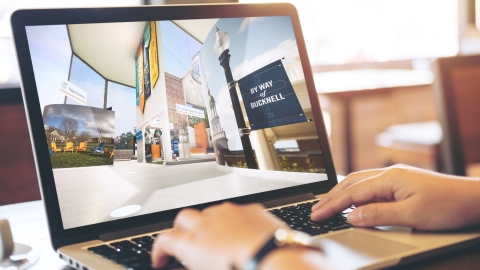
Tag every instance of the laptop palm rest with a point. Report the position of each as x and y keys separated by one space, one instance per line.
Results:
x=353 y=250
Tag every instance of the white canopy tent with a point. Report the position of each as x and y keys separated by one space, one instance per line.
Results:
x=109 y=48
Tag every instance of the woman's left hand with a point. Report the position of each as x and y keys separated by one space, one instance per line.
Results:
x=218 y=237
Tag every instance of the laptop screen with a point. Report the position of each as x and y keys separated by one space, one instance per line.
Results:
x=143 y=117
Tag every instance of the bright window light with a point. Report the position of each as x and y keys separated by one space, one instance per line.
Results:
x=477 y=13
x=8 y=63
x=355 y=31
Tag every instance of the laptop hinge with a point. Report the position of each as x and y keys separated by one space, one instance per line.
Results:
x=288 y=200
x=137 y=230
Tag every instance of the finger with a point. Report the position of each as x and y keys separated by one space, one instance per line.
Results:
x=219 y=208
x=359 y=193
x=348 y=181
x=380 y=214
x=187 y=219
x=169 y=243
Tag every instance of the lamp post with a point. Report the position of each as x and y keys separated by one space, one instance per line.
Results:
x=221 y=49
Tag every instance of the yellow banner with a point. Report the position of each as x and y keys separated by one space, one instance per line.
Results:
x=153 y=53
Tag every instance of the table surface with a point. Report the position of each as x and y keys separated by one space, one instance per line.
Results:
x=29 y=226
x=28 y=223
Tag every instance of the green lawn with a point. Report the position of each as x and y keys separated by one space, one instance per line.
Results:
x=80 y=159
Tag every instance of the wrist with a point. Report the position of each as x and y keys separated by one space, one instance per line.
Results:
x=282 y=238
x=246 y=252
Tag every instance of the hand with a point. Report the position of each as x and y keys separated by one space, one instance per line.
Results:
x=218 y=237
x=404 y=196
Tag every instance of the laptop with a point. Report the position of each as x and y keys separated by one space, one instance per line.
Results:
x=138 y=112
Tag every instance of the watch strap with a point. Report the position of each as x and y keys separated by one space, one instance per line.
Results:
x=268 y=247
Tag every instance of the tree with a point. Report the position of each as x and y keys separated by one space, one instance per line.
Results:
x=84 y=136
x=193 y=120
x=207 y=122
x=48 y=134
x=68 y=128
x=124 y=140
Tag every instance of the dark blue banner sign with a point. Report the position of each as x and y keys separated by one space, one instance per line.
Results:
x=175 y=146
x=139 y=135
x=269 y=98
x=146 y=61
x=137 y=87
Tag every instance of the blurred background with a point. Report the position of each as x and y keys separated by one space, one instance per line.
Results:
x=375 y=70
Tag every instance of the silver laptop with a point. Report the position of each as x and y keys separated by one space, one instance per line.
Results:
x=136 y=113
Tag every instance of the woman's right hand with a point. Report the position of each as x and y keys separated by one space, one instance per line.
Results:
x=404 y=196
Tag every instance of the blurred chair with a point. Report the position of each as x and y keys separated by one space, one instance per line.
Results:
x=416 y=144
x=18 y=178
x=81 y=147
x=457 y=89
x=99 y=148
x=55 y=148
x=68 y=147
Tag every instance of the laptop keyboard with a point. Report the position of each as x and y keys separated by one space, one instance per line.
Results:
x=298 y=218
x=135 y=253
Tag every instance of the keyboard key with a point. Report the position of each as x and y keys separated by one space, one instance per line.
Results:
x=315 y=231
x=103 y=250
x=143 y=239
x=298 y=218
x=114 y=256
x=134 y=254
x=124 y=245
x=341 y=227
x=173 y=264
x=130 y=259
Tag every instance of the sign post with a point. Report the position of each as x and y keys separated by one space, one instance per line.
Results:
x=221 y=49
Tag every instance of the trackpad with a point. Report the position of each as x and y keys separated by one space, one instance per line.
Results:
x=353 y=249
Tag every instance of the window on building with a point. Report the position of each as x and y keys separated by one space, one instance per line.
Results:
x=191 y=87
x=8 y=62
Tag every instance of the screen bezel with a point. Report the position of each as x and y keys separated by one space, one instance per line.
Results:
x=22 y=18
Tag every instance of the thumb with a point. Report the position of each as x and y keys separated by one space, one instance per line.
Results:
x=378 y=214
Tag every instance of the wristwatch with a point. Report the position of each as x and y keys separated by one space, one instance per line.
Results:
x=281 y=237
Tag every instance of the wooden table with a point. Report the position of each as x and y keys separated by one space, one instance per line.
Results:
x=29 y=226
x=362 y=103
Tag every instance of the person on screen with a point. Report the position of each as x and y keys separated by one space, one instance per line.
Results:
x=227 y=236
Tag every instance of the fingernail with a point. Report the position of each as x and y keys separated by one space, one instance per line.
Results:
x=317 y=206
x=355 y=217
